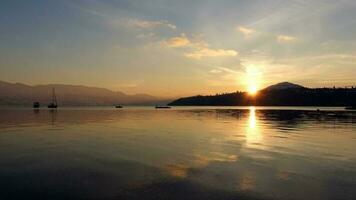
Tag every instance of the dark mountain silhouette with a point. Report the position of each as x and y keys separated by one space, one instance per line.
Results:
x=70 y=95
x=282 y=86
x=282 y=94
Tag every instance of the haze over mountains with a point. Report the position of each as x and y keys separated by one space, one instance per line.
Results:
x=70 y=95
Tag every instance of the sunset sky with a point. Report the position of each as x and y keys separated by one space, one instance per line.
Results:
x=172 y=48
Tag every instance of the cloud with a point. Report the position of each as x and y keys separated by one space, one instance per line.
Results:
x=145 y=24
x=225 y=76
x=247 y=32
x=146 y=35
x=207 y=52
x=224 y=70
x=176 y=42
x=335 y=56
x=215 y=71
x=285 y=39
x=197 y=48
x=139 y=23
x=228 y=70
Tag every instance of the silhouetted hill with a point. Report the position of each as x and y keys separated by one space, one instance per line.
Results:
x=282 y=94
x=283 y=85
x=70 y=95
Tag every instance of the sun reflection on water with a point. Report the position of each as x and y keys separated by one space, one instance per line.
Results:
x=252 y=118
x=253 y=134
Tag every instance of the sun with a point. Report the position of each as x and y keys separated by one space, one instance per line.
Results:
x=252 y=89
x=253 y=78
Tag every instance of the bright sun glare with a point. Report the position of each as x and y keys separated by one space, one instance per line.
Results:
x=252 y=89
x=253 y=78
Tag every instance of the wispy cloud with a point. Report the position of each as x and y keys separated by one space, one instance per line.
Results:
x=335 y=56
x=215 y=71
x=247 y=32
x=146 y=24
x=225 y=71
x=221 y=76
x=207 y=52
x=181 y=41
x=115 y=20
x=198 y=49
x=286 y=39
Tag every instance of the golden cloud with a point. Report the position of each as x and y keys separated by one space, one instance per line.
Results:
x=175 y=42
x=207 y=52
x=247 y=32
x=198 y=48
x=285 y=39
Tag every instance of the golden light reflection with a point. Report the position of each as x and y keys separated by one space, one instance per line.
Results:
x=177 y=170
x=253 y=135
x=246 y=183
x=283 y=175
x=205 y=159
x=252 y=118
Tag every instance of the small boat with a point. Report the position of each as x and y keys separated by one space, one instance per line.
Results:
x=163 y=107
x=36 y=104
x=118 y=106
x=350 y=108
x=53 y=104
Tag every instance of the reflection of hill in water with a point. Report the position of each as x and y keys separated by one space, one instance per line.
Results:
x=284 y=118
x=276 y=118
x=45 y=117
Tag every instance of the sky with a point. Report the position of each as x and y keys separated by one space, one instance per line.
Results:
x=175 y=48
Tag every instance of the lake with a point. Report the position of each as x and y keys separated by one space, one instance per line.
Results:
x=181 y=153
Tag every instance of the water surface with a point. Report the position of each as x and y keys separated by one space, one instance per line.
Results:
x=184 y=153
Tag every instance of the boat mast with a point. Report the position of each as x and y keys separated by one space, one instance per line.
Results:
x=54 y=98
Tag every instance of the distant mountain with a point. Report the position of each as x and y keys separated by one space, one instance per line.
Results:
x=70 y=95
x=281 y=94
x=284 y=85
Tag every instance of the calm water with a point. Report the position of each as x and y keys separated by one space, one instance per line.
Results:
x=186 y=153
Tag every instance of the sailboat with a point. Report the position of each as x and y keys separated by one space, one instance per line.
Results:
x=53 y=104
x=36 y=104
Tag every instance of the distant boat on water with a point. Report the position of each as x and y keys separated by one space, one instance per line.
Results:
x=36 y=104
x=350 y=108
x=53 y=104
x=118 y=106
x=163 y=107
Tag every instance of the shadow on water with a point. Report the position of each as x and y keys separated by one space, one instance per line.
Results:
x=108 y=181
x=179 y=189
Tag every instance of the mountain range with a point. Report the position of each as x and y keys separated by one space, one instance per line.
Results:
x=70 y=95
x=281 y=94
